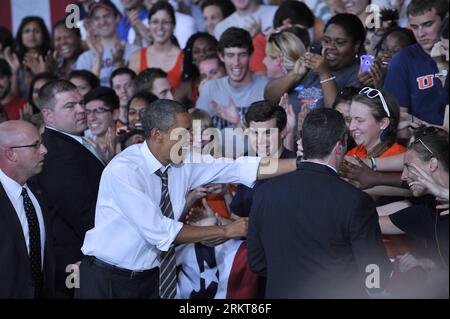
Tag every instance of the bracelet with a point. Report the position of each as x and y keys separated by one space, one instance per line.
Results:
x=374 y=164
x=329 y=79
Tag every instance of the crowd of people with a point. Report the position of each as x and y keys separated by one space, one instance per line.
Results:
x=338 y=160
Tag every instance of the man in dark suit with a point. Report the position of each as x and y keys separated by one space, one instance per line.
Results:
x=312 y=234
x=70 y=178
x=26 y=267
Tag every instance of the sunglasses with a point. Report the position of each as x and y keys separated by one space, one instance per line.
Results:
x=419 y=140
x=374 y=93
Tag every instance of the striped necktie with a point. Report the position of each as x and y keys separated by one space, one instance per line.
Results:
x=167 y=268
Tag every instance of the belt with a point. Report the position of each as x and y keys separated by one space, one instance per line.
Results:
x=120 y=271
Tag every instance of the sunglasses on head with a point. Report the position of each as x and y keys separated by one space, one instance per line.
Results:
x=374 y=93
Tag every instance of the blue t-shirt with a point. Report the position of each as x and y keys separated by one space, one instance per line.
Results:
x=411 y=79
x=243 y=199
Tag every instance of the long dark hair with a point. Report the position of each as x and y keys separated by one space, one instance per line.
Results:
x=190 y=70
x=46 y=43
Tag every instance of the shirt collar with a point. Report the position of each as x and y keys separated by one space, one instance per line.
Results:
x=150 y=160
x=324 y=164
x=77 y=138
x=11 y=186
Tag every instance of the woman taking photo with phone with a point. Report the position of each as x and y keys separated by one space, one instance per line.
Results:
x=316 y=78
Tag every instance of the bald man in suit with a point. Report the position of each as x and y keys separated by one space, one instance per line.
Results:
x=26 y=268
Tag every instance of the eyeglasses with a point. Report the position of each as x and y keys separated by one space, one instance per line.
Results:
x=374 y=93
x=99 y=110
x=36 y=145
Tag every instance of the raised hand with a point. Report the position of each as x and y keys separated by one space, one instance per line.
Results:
x=291 y=117
x=423 y=179
x=12 y=60
x=229 y=114
x=27 y=110
x=34 y=62
x=117 y=57
x=253 y=26
x=317 y=63
x=237 y=228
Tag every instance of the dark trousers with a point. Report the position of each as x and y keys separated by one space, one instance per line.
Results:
x=98 y=281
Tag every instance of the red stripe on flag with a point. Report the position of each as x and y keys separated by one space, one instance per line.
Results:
x=6 y=14
x=242 y=282
x=58 y=9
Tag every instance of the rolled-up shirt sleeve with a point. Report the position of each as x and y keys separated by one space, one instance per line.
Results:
x=127 y=195
x=244 y=171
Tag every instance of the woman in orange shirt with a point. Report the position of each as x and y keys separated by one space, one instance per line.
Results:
x=375 y=116
x=374 y=120
x=164 y=53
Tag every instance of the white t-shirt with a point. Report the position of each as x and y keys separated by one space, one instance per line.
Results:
x=264 y=14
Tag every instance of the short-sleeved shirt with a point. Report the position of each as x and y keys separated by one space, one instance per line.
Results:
x=220 y=91
x=411 y=79
x=309 y=90
x=243 y=199
x=86 y=59
x=422 y=221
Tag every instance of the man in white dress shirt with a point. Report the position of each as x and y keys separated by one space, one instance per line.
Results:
x=26 y=267
x=133 y=233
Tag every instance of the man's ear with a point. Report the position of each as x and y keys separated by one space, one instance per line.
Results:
x=221 y=57
x=47 y=115
x=10 y=155
x=155 y=134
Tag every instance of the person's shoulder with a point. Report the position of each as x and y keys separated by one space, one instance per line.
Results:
x=259 y=79
x=267 y=9
x=411 y=54
x=131 y=159
x=225 y=24
x=184 y=19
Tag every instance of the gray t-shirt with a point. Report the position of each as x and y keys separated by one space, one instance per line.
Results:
x=86 y=59
x=220 y=90
x=264 y=14
x=309 y=90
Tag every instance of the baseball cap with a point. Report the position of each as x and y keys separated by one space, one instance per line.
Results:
x=106 y=4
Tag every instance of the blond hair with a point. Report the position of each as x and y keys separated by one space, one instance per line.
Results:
x=287 y=44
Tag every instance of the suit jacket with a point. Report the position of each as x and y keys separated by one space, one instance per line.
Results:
x=313 y=235
x=70 y=180
x=15 y=269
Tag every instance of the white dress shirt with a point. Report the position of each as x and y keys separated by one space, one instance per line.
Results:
x=14 y=192
x=130 y=230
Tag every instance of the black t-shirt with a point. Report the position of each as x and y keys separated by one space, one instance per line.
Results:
x=423 y=221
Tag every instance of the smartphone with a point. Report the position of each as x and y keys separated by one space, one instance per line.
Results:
x=366 y=62
x=316 y=48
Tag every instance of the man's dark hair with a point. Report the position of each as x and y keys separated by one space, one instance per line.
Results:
x=5 y=69
x=107 y=95
x=6 y=38
x=296 y=11
x=48 y=91
x=226 y=6
x=262 y=111
x=121 y=71
x=144 y=80
x=321 y=130
x=419 y=7
x=429 y=142
x=86 y=75
x=161 y=114
x=235 y=38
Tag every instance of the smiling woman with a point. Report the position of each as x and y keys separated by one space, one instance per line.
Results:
x=163 y=53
